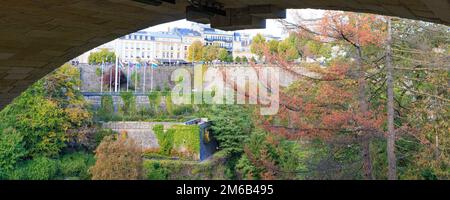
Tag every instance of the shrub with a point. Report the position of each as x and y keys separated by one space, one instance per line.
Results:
x=76 y=165
x=155 y=171
x=11 y=150
x=169 y=105
x=40 y=168
x=117 y=158
x=107 y=108
x=129 y=103
x=155 y=101
x=182 y=110
x=98 y=71
x=183 y=170
x=166 y=87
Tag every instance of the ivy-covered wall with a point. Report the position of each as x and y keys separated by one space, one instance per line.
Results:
x=178 y=141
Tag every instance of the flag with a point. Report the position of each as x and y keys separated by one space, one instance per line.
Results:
x=121 y=64
x=154 y=65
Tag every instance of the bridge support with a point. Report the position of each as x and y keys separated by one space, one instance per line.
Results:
x=251 y=17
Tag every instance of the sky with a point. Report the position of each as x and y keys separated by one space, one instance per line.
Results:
x=273 y=27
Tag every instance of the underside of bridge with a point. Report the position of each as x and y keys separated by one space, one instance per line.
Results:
x=37 y=36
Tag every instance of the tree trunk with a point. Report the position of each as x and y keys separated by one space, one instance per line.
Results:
x=436 y=150
x=392 y=168
x=363 y=109
x=367 y=159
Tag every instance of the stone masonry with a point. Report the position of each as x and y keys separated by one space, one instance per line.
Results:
x=141 y=132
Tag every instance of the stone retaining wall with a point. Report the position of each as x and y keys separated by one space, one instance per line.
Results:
x=141 y=132
x=141 y=102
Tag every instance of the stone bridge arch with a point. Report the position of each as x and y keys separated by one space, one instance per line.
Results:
x=37 y=36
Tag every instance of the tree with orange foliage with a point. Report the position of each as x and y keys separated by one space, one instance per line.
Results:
x=335 y=102
x=118 y=158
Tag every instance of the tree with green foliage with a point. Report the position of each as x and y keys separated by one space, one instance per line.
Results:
x=45 y=112
x=232 y=124
x=258 y=42
x=229 y=58
x=210 y=53
x=237 y=59
x=257 y=45
x=244 y=59
x=273 y=46
x=418 y=79
x=223 y=55
x=289 y=48
x=104 y=55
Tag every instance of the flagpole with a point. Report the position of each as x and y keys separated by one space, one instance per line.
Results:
x=110 y=79
x=101 y=78
x=116 y=74
x=128 y=75
x=143 y=86
x=151 y=78
x=135 y=77
x=119 y=76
